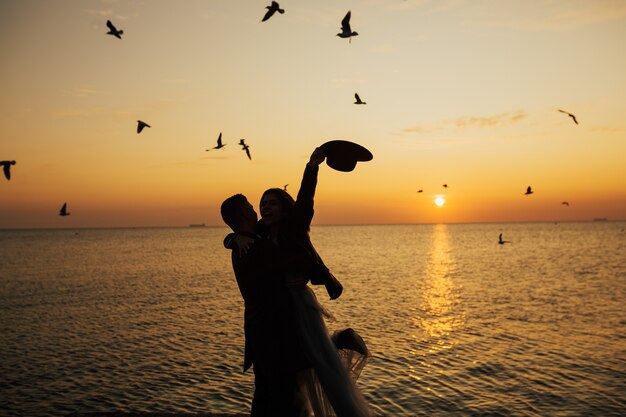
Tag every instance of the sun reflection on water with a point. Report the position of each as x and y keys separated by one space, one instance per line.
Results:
x=440 y=293
x=439 y=312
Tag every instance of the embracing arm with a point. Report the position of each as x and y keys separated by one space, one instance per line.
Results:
x=238 y=241
x=228 y=240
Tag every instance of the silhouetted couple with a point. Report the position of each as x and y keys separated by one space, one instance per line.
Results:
x=299 y=369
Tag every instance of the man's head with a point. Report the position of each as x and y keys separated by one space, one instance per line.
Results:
x=238 y=213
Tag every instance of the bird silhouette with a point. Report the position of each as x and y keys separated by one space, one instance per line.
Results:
x=565 y=203
x=63 y=211
x=271 y=9
x=220 y=145
x=502 y=242
x=113 y=30
x=141 y=125
x=358 y=99
x=346 y=32
x=529 y=191
x=420 y=191
x=245 y=148
x=445 y=186
x=6 y=167
x=570 y=115
x=285 y=187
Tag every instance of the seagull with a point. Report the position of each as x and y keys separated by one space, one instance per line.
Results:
x=346 y=32
x=502 y=242
x=285 y=187
x=445 y=186
x=242 y=142
x=529 y=191
x=141 y=125
x=113 y=30
x=420 y=191
x=271 y=9
x=63 y=211
x=219 y=143
x=570 y=115
x=565 y=203
x=358 y=99
x=245 y=148
x=6 y=167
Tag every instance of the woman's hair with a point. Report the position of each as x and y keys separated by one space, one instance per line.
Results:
x=286 y=201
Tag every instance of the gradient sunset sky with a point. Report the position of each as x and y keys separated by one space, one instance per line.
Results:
x=458 y=92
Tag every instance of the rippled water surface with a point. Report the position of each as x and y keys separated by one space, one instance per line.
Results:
x=151 y=319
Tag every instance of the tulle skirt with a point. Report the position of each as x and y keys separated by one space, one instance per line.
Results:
x=328 y=389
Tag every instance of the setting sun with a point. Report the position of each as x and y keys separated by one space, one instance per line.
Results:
x=439 y=201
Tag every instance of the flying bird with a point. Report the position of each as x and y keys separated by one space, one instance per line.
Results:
x=271 y=9
x=113 y=30
x=245 y=148
x=220 y=145
x=570 y=115
x=445 y=186
x=285 y=187
x=63 y=211
x=346 y=32
x=6 y=167
x=141 y=125
x=502 y=242
x=529 y=191
x=358 y=99
x=420 y=191
x=565 y=203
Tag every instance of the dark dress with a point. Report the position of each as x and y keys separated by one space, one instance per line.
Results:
x=330 y=374
x=295 y=235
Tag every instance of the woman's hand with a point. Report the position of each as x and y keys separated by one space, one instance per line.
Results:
x=334 y=287
x=317 y=157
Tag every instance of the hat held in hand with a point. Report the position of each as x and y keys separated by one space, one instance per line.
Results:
x=343 y=155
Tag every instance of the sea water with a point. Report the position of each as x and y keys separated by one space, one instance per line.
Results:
x=151 y=320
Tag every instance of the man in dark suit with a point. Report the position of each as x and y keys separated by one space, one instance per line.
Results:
x=271 y=343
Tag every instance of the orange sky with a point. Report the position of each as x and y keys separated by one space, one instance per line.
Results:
x=458 y=92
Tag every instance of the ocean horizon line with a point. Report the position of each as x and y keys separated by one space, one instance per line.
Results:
x=213 y=226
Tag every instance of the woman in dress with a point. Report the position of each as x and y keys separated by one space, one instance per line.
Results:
x=330 y=385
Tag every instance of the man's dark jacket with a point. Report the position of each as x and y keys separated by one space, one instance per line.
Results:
x=271 y=340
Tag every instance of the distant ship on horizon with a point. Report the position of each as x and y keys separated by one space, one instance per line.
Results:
x=600 y=219
x=197 y=225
